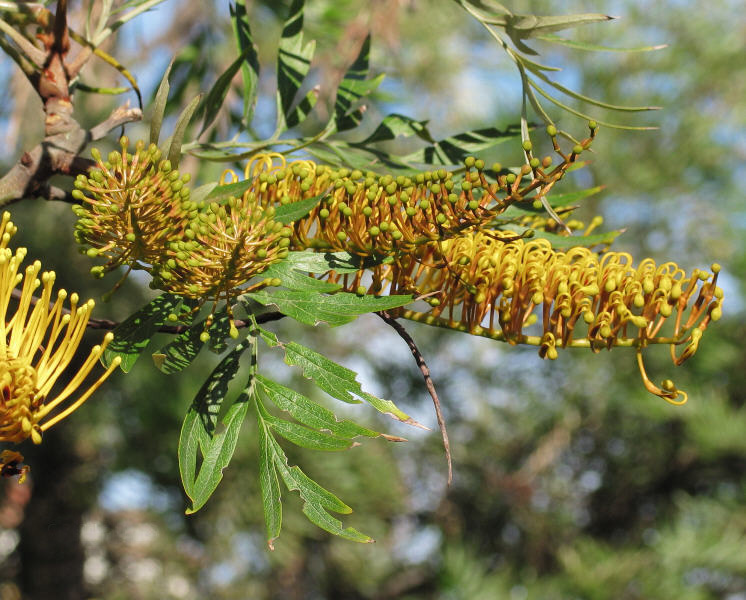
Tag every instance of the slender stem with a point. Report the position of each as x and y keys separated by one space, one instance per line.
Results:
x=419 y=359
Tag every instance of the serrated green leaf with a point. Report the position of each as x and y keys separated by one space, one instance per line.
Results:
x=317 y=499
x=269 y=484
x=159 y=106
x=133 y=335
x=214 y=99
x=305 y=411
x=338 y=381
x=396 y=125
x=250 y=66
x=293 y=63
x=221 y=449
x=321 y=262
x=313 y=308
x=303 y=436
x=229 y=190
x=292 y=277
x=288 y=213
x=454 y=149
x=353 y=87
x=198 y=432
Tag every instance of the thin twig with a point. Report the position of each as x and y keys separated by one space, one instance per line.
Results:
x=419 y=359
x=108 y=324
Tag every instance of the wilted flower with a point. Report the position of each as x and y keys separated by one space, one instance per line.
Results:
x=131 y=205
x=38 y=340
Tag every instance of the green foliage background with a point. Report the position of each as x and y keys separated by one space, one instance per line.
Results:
x=570 y=480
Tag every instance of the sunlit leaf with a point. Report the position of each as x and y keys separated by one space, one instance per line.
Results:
x=353 y=87
x=454 y=149
x=293 y=63
x=269 y=484
x=303 y=436
x=174 y=146
x=159 y=106
x=288 y=213
x=313 y=308
x=216 y=96
x=199 y=437
x=311 y=414
x=338 y=381
x=318 y=501
x=250 y=66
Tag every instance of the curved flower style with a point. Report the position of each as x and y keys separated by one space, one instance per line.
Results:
x=38 y=340
x=130 y=206
x=581 y=299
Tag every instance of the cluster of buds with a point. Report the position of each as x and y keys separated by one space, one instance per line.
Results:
x=38 y=340
x=130 y=205
x=577 y=298
x=223 y=247
x=368 y=214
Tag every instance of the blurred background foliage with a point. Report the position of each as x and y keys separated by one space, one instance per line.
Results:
x=570 y=480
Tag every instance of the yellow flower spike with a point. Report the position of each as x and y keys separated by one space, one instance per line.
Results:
x=580 y=299
x=37 y=344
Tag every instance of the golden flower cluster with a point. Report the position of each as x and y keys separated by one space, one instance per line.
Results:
x=431 y=234
x=38 y=340
x=577 y=298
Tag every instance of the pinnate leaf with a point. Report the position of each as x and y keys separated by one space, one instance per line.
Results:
x=313 y=308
